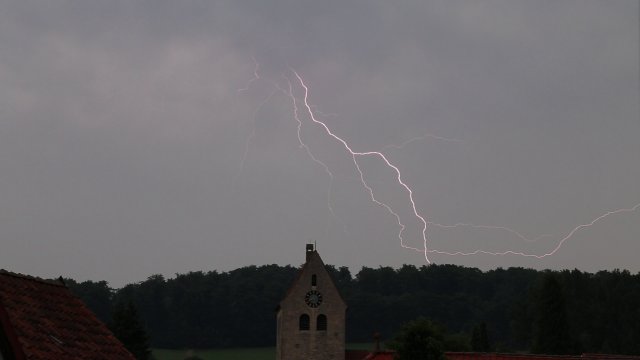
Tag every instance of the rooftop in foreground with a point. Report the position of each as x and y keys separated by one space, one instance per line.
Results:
x=42 y=320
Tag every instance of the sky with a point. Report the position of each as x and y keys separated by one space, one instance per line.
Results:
x=160 y=137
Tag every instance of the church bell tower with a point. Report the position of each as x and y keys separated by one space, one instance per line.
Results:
x=311 y=316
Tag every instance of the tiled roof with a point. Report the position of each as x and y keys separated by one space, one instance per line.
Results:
x=312 y=256
x=44 y=321
x=380 y=355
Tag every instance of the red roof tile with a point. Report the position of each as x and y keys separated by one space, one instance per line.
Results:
x=44 y=321
x=380 y=355
x=356 y=354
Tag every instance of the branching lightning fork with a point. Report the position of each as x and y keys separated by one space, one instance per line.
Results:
x=355 y=155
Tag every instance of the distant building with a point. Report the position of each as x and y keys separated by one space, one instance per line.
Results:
x=311 y=324
x=311 y=317
x=43 y=320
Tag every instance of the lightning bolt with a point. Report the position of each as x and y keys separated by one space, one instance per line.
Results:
x=256 y=110
x=250 y=138
x=419 y=138
x=490 y=227
x=256 y=76
x=553 y=251
x=289 y=93
x=355 y=155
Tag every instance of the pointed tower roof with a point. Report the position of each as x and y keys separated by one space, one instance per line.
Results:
x=313 y=265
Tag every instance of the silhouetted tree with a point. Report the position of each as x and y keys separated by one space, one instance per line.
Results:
x=420 y=339
x=480 y=338
x=126 y=326
x=212 y=309
x=551 y=329
x=97 y=295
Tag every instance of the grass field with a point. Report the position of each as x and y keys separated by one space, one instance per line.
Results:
x=266 y=353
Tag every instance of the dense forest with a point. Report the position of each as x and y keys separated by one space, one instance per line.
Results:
x=587 y=312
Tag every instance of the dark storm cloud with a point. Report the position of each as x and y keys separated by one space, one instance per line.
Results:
x=122 y=132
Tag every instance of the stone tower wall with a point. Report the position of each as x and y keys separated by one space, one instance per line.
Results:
x=312 y=344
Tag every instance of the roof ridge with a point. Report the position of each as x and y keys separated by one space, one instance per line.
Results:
x=33 y=278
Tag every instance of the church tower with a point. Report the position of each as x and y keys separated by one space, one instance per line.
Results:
x=311 y=317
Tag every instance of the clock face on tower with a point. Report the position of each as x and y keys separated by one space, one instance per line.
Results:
x=313 y=298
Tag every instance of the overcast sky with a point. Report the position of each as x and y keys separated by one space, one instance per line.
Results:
x=136 y=140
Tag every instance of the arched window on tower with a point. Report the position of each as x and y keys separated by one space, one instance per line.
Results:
x=321 y=323
x=304 y=322
x=314 y=280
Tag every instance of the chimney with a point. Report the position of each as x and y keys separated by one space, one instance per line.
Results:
x=376 y=340
x=310 y=250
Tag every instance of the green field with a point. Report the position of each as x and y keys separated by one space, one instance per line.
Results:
x=266 y=353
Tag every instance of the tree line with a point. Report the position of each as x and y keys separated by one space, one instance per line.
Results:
x=517 y=309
